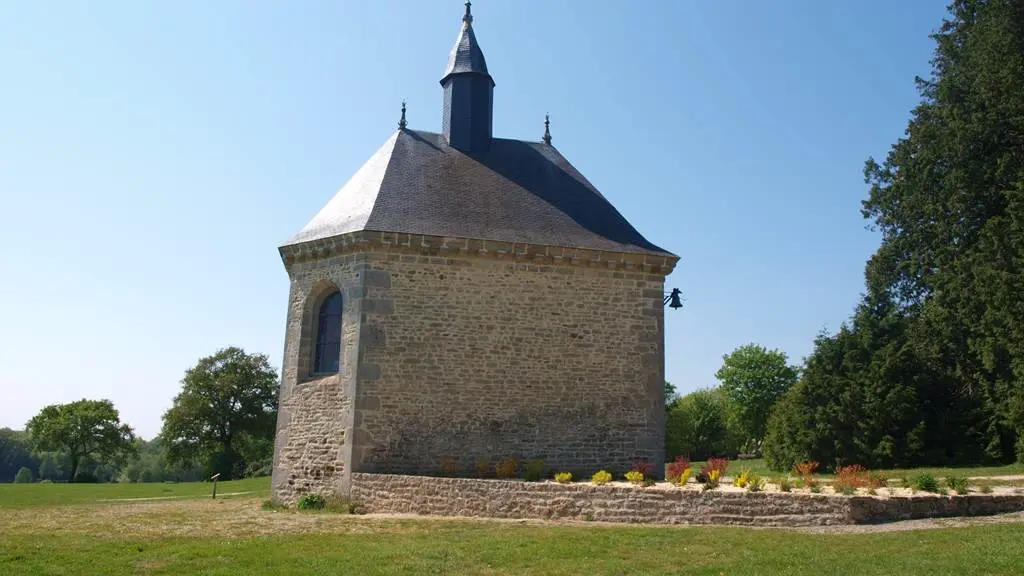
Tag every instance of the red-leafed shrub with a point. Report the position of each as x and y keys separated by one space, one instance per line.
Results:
x=676 y=469
x=642 y=466
x=849 y=478
x=719 y=464
x=805 y=470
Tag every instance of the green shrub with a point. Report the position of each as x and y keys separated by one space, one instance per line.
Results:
x=926 y=483
x=601 y=477
x=755 y=483
x=986 y=489
x=741 y=480
x=815 y=488
x=635 y=476
x=24 y=476
x=535 y=470
x=783 y=483
x=563 y=477
x=311 y=501
x=957 y=484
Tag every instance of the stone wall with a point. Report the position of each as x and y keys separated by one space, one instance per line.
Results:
x=313 y=448
x=385 y=493
x=475 y=357
x=479 y=350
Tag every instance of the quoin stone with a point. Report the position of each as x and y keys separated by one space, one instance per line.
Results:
x=465 y=299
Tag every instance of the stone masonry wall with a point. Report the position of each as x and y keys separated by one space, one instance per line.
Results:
x=313 y=445
x=385 y=493
x=470 y=357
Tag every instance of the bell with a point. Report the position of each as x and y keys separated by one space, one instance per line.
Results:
x=673 y=299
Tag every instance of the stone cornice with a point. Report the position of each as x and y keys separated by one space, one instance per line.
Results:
x=447 y=247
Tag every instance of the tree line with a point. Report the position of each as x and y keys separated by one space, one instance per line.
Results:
x=929 y=369
x=222 y=421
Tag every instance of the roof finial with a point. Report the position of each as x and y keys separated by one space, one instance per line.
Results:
x=547 y=130
x=402 y=123
x=468 y=18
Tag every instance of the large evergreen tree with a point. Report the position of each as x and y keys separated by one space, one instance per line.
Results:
x=931 y=368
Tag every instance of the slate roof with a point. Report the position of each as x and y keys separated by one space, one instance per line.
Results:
x=466 y=56
x=516 y=191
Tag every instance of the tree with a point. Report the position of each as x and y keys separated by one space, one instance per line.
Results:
x=227 y=400
x=15 y=453
x=949 y=202
x=754 y=379
x=670 y=396
x=82 y=429
x=698 y=426
x=24 y=476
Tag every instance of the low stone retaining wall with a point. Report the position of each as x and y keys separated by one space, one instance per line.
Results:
x=386 y=493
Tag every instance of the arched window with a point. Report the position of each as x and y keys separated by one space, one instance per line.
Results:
x=328 y=336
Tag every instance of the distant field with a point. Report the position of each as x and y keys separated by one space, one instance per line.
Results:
x=25 y=495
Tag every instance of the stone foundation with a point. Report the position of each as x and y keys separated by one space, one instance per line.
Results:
x=386 y=493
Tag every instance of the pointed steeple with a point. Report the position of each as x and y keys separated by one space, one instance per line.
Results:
x=547 y=130
x=468 y=92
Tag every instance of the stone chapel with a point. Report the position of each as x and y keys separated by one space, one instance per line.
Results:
x=468 y=298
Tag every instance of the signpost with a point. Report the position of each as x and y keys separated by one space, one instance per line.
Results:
x=214 y=478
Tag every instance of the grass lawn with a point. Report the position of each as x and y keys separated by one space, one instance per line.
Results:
x=235 y=536
x=22 y=495
x=92 y=529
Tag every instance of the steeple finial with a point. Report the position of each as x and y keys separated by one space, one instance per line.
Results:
x=547 y=130
x=468 y=18
x=402 y=123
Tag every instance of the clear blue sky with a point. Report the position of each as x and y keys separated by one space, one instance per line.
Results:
x=153 y=155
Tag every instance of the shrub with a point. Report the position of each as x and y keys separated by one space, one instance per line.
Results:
x=755 y=483
x=676 y=469
x=601 y=477
x=711 y=482
x=635 y=476
x=684 y=477
x=957 y=483
x=741 y=480
x=563 y=477
x=783 y=483
x=450 y=466
x=986 y=488
x=535 y=470
x=805 y=470
x=482 y=467
x=642 y=466
x=506 y=468
x=24 y=476
x=713 y=464
x=877 y=480
x=311 y=501
x=849 y=478
x=815 y=488
x=926 y=483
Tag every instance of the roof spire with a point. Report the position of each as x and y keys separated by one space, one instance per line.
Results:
x=547 y=130
x=468 y=18
x=402 y=123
